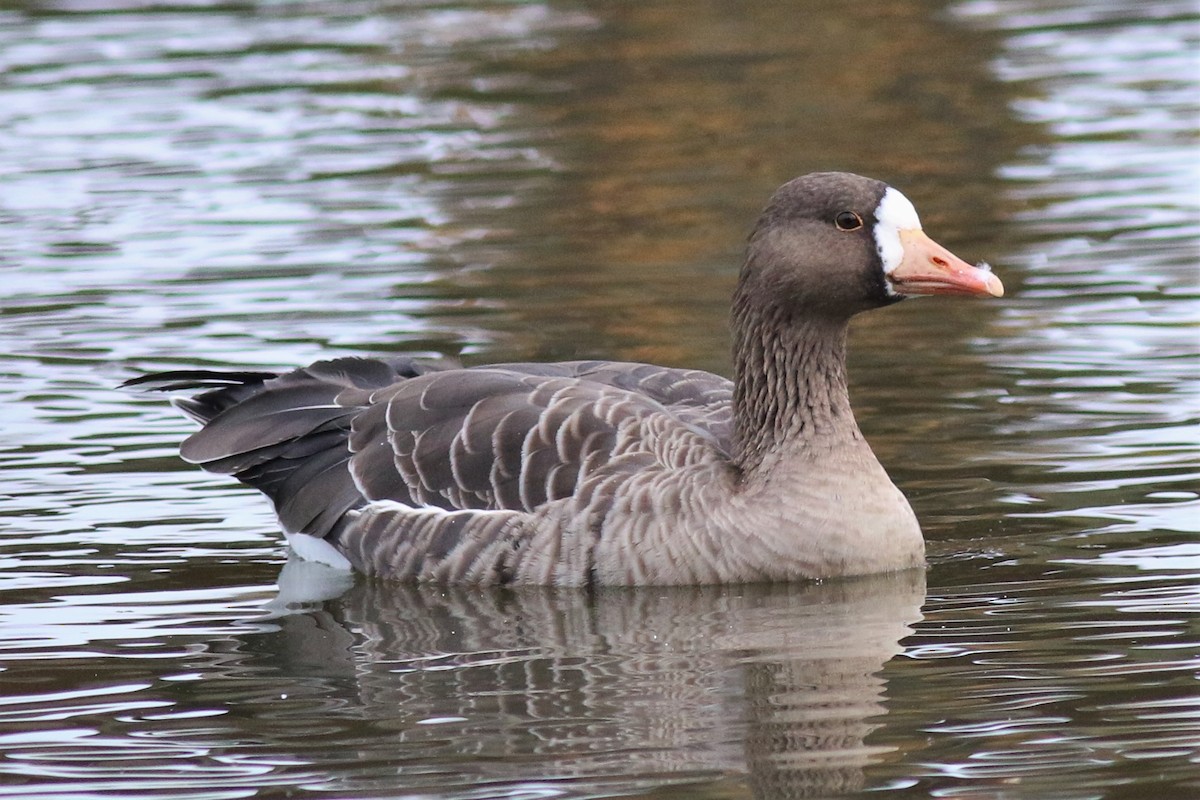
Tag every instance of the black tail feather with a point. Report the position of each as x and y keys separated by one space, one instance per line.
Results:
x=181 y=379
x=286 y=434
x=225 y=389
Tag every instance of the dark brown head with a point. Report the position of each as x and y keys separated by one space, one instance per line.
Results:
x=832 y=244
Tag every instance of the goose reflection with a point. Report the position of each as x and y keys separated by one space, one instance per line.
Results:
x=776 y=687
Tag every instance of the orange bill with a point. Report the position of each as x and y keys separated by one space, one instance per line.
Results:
x=929 y=268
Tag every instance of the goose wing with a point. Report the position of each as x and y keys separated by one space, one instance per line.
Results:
x=516 y=436
x=330 y=437
x=695 y=397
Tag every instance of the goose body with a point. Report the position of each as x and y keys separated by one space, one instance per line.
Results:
x=601 y=472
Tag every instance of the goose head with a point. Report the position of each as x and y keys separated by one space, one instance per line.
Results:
x=833 y=244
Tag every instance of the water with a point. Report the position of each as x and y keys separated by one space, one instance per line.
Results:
x=266 y=183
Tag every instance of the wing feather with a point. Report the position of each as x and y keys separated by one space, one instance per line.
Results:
x=334 y=436
x=517 y=436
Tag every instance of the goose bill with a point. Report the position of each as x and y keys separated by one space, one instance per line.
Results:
x=929 y=268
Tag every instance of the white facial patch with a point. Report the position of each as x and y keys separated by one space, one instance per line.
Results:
x=894 y=213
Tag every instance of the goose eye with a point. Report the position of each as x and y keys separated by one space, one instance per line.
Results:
x=848 y=221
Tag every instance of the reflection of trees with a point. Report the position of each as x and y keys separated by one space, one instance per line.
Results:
x=775 y=683
x=668 y=127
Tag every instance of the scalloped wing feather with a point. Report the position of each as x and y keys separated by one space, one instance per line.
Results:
x=519 y=436
x=326 y=439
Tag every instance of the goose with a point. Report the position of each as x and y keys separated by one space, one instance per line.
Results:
x=600 y=473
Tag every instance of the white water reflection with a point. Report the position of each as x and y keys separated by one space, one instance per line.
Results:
x=282 y=165
x=1101 y=333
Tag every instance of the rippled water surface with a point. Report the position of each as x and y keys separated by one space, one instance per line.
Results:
x=265 y=183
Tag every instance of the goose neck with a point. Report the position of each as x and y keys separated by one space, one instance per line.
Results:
x=790 y=391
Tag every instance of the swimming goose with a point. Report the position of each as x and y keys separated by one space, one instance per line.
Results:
x=601 y=472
